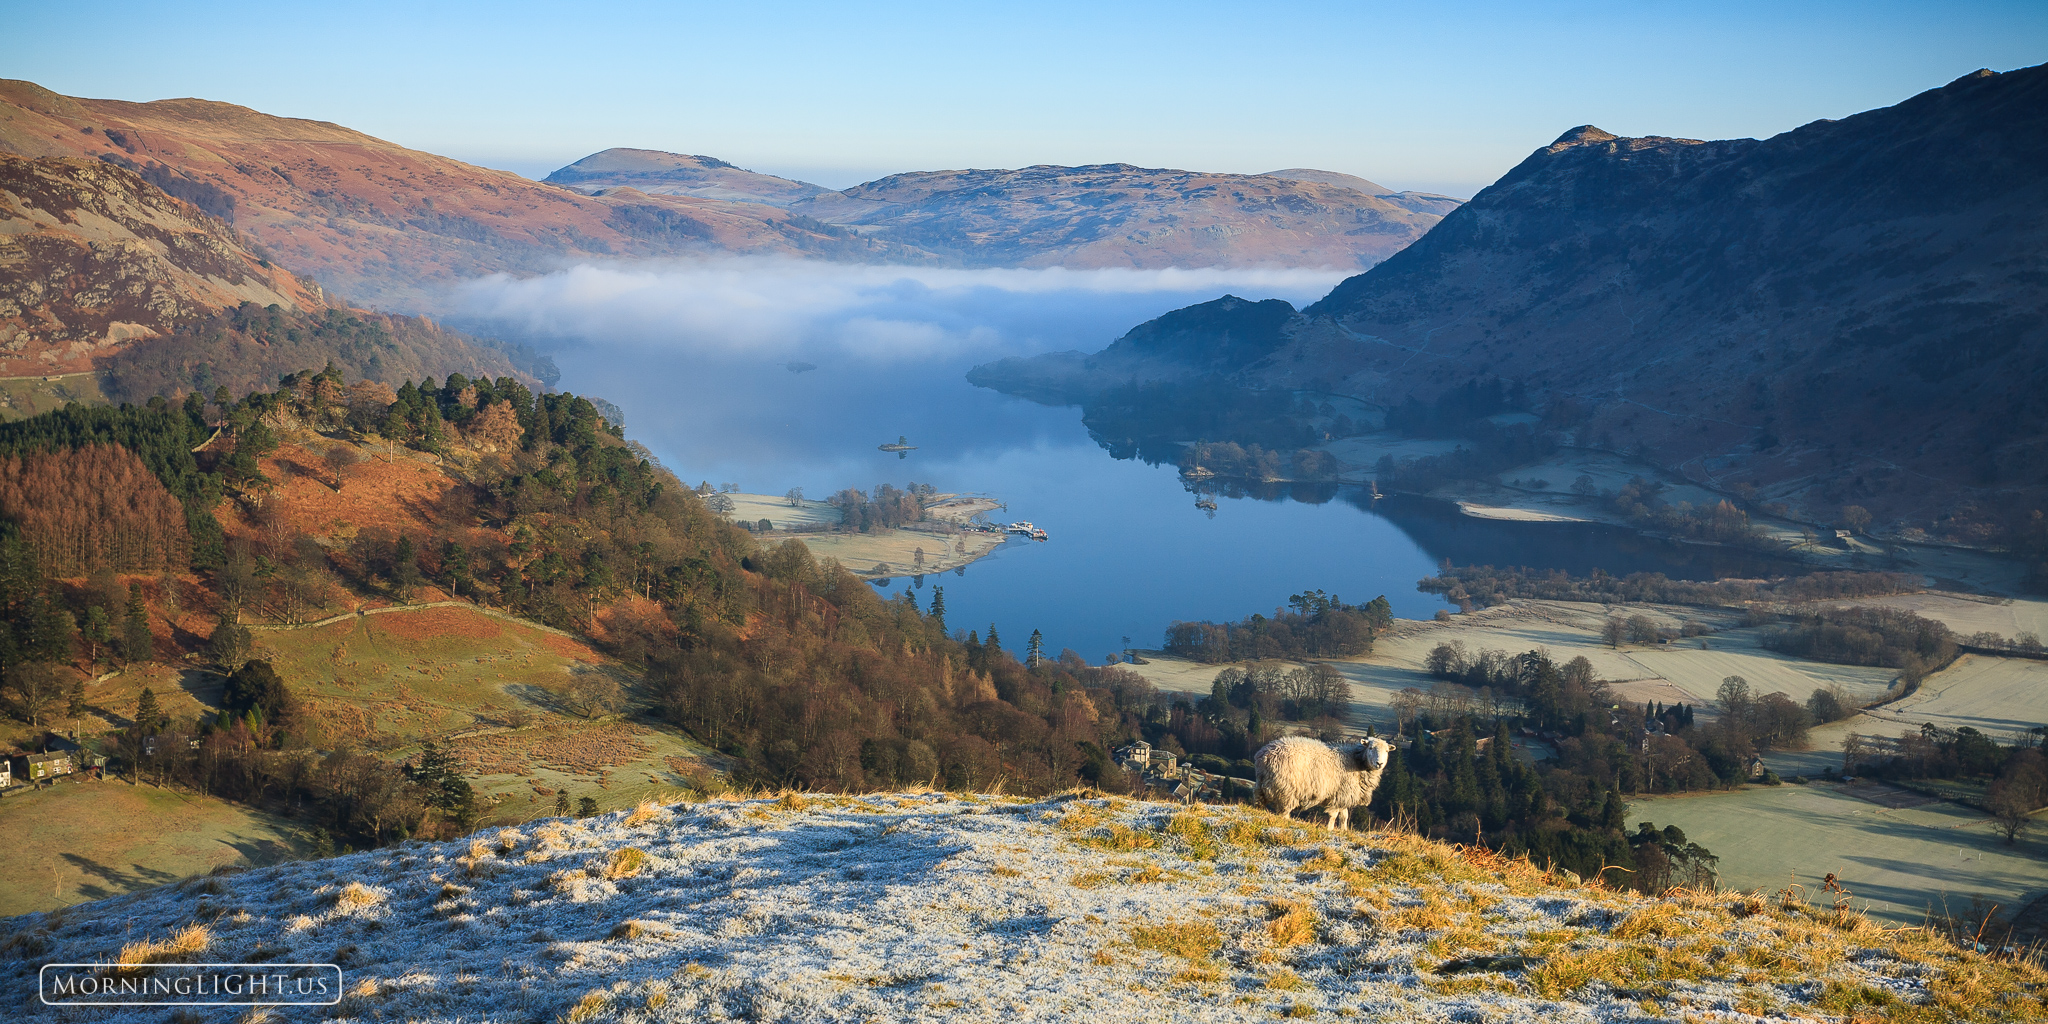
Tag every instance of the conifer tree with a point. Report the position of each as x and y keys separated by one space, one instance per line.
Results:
x=136 y=642
x=98 y=631
x=148 y=716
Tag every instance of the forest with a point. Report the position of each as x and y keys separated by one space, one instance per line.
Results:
x=1483 y=586
x=1892 y=637
x=1315 y=625
x=796 y=670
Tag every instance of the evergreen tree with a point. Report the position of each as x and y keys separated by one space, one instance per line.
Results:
x=1034 y=649
x=405 y=570
x=231 y=644
x=98 y=631
x=561 y=803
x=74 y=706
x=938 y=610
x=136 y=642
x=148 y=716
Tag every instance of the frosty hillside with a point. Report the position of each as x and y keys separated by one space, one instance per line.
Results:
x=931 y=906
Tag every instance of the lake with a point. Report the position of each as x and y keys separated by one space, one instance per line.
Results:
x=703 y=371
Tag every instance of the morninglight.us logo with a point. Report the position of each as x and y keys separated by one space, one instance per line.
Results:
x=190 y=985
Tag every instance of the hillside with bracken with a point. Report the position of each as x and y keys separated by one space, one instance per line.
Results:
x=92 y=257
x=380 y=223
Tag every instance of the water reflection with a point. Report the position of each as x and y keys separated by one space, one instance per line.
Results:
x=1129 y=551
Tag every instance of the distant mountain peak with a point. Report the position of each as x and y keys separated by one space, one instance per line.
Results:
x=1583 y=135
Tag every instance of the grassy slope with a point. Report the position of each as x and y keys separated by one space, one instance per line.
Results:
x=82 y=841
x=1896 y=860
x=389 y=681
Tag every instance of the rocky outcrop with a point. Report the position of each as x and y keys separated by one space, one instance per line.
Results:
x=92 y=258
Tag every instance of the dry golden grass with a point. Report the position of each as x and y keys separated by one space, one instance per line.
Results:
x=1194 y=832
x=1004 y=871
x=588 y=1007
x=1284 y=980
x=184 y=944
x=647 y=811
x=625 y=862
x=357 y=896
x=1189 y=940
x=1290 y=922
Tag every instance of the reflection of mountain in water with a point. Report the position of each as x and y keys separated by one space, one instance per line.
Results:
x=1578 y=548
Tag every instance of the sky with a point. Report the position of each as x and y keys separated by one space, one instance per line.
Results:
x=1438 y=97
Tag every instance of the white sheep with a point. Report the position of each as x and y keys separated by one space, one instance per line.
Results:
x=1357 y=787
x=1298 y=773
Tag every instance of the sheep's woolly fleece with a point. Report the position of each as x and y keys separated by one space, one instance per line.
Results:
x=949 y=908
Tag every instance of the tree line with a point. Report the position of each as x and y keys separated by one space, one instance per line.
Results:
x=1481 y=586
x=1317 y=626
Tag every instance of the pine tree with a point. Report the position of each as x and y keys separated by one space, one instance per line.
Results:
x=136 y=642
x=1034 y=649
x=75 y=706
x=938 y=610
x=561 y=803
x=993 y=643
x=148 y=716
x=98 y=631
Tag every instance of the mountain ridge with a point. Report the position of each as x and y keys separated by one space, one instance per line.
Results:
x=1851 y=312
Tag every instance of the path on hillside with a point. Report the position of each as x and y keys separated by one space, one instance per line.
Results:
x=359 y=612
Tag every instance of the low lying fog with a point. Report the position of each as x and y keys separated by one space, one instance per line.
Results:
x=740 y=309
x=698 y=354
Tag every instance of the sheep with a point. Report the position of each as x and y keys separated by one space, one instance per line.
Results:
x=1298 y=773
x=1357 y=787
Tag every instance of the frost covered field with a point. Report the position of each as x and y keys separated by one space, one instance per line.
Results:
x=942 y=907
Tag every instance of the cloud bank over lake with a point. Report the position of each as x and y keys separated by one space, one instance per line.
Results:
x=740 y=310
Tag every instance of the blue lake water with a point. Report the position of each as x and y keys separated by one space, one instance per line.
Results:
x=1128 y=554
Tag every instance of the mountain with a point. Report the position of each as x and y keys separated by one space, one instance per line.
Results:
x=1852 y=312
x=1120 y=215
x=1420 y=202
x=928 y=906
x=103 y=272
x=92 y=257
x=679 y=174
x=384 y=224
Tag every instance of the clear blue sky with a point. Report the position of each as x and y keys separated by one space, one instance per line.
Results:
x=1442 y=97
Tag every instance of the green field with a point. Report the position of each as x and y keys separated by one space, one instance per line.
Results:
x=79 y=841
x=1895 y=861
x=494 y=688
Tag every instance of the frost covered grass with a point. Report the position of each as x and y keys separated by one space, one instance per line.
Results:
x=929 y=906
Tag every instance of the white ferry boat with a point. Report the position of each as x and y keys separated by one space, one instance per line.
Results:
x=1025 y=529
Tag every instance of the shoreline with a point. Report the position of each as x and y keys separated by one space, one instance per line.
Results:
x=906 y=550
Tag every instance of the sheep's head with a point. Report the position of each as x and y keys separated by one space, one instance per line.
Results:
x=1374 y=753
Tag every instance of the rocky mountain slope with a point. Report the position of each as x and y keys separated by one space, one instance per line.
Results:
x=1420 y=202
x=92 y=257
x=939 y=907
x=103 y=272
x=1118 y=215
x=679 y=174
x=1855 y=311
x=376 y=221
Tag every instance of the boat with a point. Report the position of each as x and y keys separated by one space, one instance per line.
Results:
x=1025 y=529
x=902 y=445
